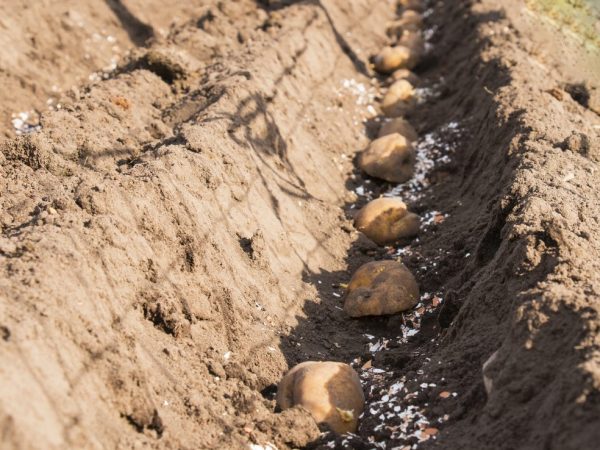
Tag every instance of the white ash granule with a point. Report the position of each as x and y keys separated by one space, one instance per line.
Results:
x=431 y=217
x=430 y=32
x=425 y=94
x=428 y=13
x=267 y=446
x=433 y=149
x=365 y=95
x=25 y=122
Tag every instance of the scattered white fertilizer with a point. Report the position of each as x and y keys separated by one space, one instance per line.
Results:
x=25 y=122
x=432 y=150
x=267 y=446
x=364 y=95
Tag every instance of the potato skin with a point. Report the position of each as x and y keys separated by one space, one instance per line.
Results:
x=399 y=99
x=405 y=74
x=393 y=58
x=412 y=18
x=390 y=158
x=324 y=388
x=381 y=288
x=409 y=21
x=414 y=41
x=386 y=220
x=401 y=126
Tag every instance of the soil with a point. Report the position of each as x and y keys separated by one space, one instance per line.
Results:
x=178 y=233
x=50 y=48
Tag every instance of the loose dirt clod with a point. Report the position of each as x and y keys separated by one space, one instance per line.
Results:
x=381 y=288
x=386 y=220
x=399 y=99
x=401 y=126
x=393 y=58
x=390 y=158
x=330 y=391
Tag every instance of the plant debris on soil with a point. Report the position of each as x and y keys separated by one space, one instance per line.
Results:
x=177 y=192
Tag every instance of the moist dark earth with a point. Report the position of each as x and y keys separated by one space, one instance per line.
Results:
x=178 y=234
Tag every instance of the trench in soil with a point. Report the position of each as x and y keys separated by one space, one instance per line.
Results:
x=185 y=362
x=423 y=369
x=403 y=369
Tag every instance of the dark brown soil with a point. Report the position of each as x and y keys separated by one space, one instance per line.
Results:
x=177 y=236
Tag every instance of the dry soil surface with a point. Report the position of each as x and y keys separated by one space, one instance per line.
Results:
x=178 y=233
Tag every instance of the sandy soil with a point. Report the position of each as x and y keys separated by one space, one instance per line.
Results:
x=50 y=48
x=178 y=234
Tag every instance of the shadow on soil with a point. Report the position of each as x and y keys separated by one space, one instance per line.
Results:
x=472 y=257
x=139 y=32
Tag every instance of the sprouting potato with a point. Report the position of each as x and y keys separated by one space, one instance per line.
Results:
x=330 y=391
x=381 y=288
x=390 y=158
x=401 y=126
x=393 y=58
x=405 y=74
x=399 y=99
x=386 y=220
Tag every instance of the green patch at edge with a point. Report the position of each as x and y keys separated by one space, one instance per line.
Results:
x=582 y=17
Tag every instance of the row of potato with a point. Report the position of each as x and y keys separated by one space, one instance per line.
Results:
x=331 y=391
